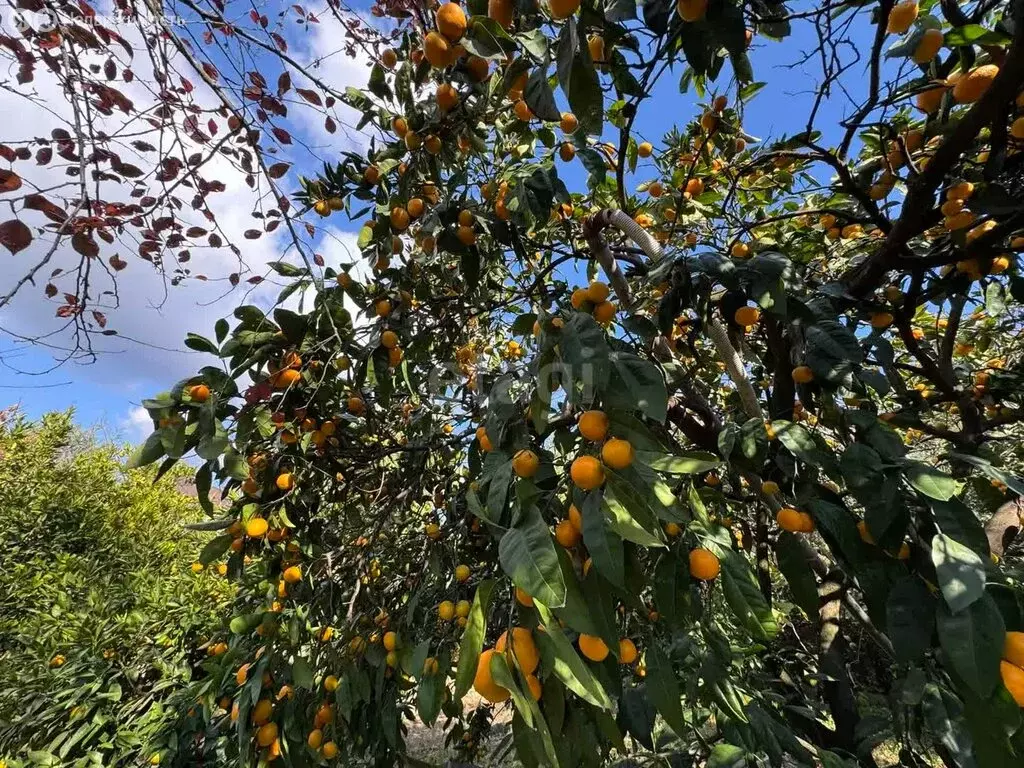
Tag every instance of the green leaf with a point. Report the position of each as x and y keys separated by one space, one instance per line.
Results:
x=944 y=714
x=578 y=78
x=215 y=549
x=540 y=98
x=292 y=324
x=636 y=712
x=663 y=687
x=147 y=453
x=957 y=520
x=974 y=34
x=428 y=697
x=628 y=513
x=487 y=38
x=503 y=676
x=802 y=444
x=745 y=599
x=832 y=351
x=604 y=546
x=567 y=666
x=972 y=641
x=302 y=673
x=528 y=556
x=931 y=482
x=684 y=463
x=798 y=573
x=619 y=10
x=285 y=269
x=727 y=756
x=221 y=329
x=910 y=618
x=535 y=42
x=839 y=529
x=636 y=384
x=201 y=344
x=211 y=446
x=473 y=638
x=671 y=589
x=960 y=571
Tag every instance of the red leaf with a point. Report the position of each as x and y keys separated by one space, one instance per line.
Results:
x=252 y=234
x=277 y=170
x=7 y=153
x=195 y=232
x=14 y=236
x=49 y=210
x=50 y=290
x=234 y=123
x=9 y=181
x=330 y=125
x=284 y=83
x=117 y=263
x=85 y=245
x=311 y=96
x=44 y=155
x=255 y=280
x=214 y=240
x=233 y=278
x=318 y=259
x=282 y=135
x=100 y=318
x=281 y=43
x=210 y=70
x=187 y=85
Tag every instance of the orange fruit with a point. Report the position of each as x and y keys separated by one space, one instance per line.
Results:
x=929 y=45
x=691 y=10
x=901 y=17
x=534 y=685
x=567 y=534
x=746 y=316
x=356 y=405
x=1013 y=679
x=451 y=21
x=597 y=292
x=1013 y=648
x=929 y=100
x=627 y=651
x=593 y=647
x=293 y=574
x=371 y=175
x=568 y=123
x=262 y=711
x=399 y=218
x=315 y=738
x=390 y=641
x=595 y=45
x=389 y=58
x=769 y=487
x=587 y=473
x=330 y=750
x=446 y=610
x=501 y=11
x=605 y=312
x=478 y=68
x=256 y=528
x=522 y=111
x=881 y=320
x=709 y=121
x=563 y=9
x=593 y=425
x=523 y=647
x=199 y=393
x=617 y=454
x=267 y=734
x=466 y=235
x=578 y=297
x=972 y=86
x=462 y=573
x=389 y=339
x=694 y=187
x=485 y=442
x=704 y=565
x=437 y=49
x=645 y=149
x=285 y=378
x=740 y=251
x=575 y=518
x=483 y=681
x=523 y=599
x=525 y=463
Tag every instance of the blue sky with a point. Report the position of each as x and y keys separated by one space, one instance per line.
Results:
x=107 y=392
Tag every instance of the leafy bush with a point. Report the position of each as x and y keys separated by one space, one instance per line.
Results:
x=100 y=612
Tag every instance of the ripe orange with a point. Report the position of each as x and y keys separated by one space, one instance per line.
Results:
x=483 y=681
x=566 y=152
x=285 y=481
x=769 y=487
x=199 y=393
x=356 y=405
x=466 y=235
x=563 y=9
x=575 y=518
x=645 y=149
x=267 y=734
x=399 y=218
x=791 y=520
x=262 y=711
x=691 y=10
x=567 y=534
x=462 y=573
x=865 y=534
x=390 y=641
x=293 y=574
x=446 y=610
x=315 y=738
x=501 y=11
x=593 y=425
x=523 y=647
x=1013 y=679
x=534 y=685
x=746 y=316
x=382 y=308
x=803 y=374
x=330 y=750
x=694 y=187
x=627 y=651
x=523 y=599
x=400 y=127
x=927 y=47
x=478 y=68
x=285 y=378
x=525 y=463
x=389 y=58
x=901 y=17
x=604 y=312
x=522 y=111
x=451 y=21
x=740 y=251
x=704 y=565
x=597 y=292
x=389 y=339
x=256 y=528
x=972 y=86
x=485 y=442
x=1013 y=648
x=881 y=320
x=371 y=175
x=593 y=647
x=595 y=45
x=709 y=121
x=437 y=49
x=617 y=454
x=587 y=473
x=720 y=103
x=568 y=123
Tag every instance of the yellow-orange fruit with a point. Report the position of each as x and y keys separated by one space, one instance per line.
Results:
x=437 y=49
x=525 y=463
x=691 y=10
x=929 y=45
x=704 y=565
x=500 y=11
x=451 y=21
x=593 y=648
x=901 y=17
x=617 y=454
x=587 y=473
x=972 y=86
x=593 y=425
x=484 y=682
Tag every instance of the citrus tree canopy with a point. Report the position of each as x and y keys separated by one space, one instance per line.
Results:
x=680 y=444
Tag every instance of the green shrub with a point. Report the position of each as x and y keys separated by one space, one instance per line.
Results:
x=101 y=616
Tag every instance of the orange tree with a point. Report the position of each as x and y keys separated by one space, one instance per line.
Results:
x=713 y=469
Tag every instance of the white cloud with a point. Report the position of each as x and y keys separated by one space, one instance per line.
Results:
x=136 y=425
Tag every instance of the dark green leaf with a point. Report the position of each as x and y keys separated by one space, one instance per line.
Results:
x=147 y=453
x=200 y=344
x=960 y=571
x=567 y=664
x=604 y=545
x=473 y=638
x=910 y=618
x=528 y=556
x=798 y=573
x=663 y=688
x=745 y=599
x=540 y=98
x=972 y=642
